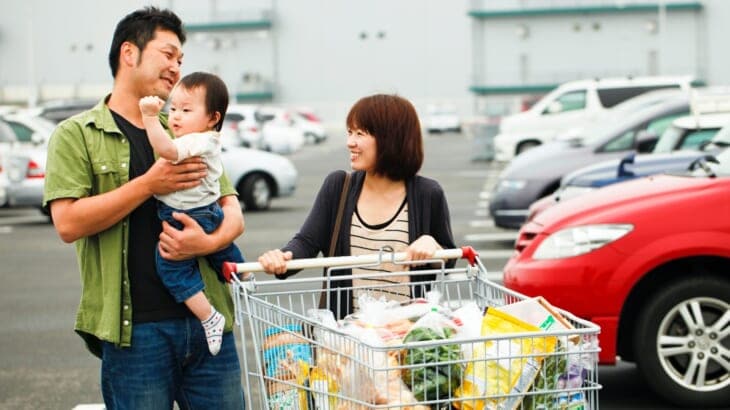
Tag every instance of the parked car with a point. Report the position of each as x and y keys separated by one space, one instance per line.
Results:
x=309 y=124
x=568 y=106
x=3 y=186
x=241 y=126
x=537 y=173
x=279 y=132
x=649 y=261
x=25 y=168
x=259 y=176
x=683 y=134
x=25 y=162
x=442 y=118
x=30 y=129
x=59 y=110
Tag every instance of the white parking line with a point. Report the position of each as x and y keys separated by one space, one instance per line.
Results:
x=485 y=195
x=483 y=223
x=481 y=212
x=94 y=406
x=6 y=229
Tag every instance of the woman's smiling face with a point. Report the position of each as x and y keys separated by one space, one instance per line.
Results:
x=363 y=150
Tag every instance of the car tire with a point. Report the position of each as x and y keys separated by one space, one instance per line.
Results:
x=665 y=320
x=255 y=191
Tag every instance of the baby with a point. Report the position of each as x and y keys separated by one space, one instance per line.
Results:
x=198 y=105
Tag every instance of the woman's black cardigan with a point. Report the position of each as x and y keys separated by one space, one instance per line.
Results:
x=428 y=214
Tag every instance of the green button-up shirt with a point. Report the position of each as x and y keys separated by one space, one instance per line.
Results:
x=88 y=155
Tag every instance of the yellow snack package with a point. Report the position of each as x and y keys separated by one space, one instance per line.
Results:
x=323 y=387
x=502 y=366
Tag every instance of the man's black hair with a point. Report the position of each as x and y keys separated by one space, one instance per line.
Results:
x=139 y=28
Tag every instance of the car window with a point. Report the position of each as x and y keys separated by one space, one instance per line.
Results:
x=6 y=133
x=234 y=116
x=623 y=142
x=694 y=139
x=22 y=132
x=668 y=140
x=659 y=125
x=570 y=101
x=613 y=96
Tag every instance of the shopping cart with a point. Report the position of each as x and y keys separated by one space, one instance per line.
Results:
x=295 y=356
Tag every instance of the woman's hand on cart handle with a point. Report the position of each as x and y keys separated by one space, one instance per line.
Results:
x=230 y=268
x=274 y=261
x=424 y=247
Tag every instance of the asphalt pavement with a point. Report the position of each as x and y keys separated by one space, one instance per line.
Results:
x=44 y=365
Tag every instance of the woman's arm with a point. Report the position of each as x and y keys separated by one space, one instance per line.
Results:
x=314 y=235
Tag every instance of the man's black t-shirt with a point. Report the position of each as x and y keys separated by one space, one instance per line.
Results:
x=151 y=301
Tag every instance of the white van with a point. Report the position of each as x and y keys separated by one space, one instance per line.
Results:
x=568 y=106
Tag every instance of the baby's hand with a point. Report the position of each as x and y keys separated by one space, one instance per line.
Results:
x=151 y=105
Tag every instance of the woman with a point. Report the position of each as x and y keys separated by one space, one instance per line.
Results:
x=387 y=204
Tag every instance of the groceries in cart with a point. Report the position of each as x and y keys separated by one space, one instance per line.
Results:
x=416 y=356
x=469 y=344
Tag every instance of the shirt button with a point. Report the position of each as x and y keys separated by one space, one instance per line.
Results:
x=126 y=323
x=124 y=283
x=103 y=167
x=123 y=141
x=124 y=165
x=126 y=307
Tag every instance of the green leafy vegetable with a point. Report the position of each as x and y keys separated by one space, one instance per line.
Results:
x=436 y=373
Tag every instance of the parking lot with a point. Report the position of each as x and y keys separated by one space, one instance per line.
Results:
x=43 y=364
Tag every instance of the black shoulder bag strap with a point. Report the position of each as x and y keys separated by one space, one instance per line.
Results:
x=336 y=233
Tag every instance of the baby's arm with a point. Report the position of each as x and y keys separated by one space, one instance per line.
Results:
x=159 y=138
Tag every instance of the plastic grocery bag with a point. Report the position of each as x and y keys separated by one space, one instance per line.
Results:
x=502 y=366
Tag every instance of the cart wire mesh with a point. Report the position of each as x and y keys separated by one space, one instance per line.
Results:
x=296 y=357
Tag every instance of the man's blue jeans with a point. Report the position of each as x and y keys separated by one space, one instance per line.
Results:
x=169 y=361
x=182 y=278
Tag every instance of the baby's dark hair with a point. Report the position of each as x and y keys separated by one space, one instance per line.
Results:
x=139 y=28
x=216 y=92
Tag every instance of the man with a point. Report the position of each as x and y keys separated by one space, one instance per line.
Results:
x=100 y=178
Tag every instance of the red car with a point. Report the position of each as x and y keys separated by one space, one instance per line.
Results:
x=649 y=261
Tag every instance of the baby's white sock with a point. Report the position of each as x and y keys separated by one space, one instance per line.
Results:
x=214 y=330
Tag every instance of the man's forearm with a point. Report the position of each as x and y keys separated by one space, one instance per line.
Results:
x=78 y=218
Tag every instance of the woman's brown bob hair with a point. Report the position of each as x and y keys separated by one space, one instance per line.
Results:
x=393 y=122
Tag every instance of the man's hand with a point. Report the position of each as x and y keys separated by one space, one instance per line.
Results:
x=165 y=177
x=183 y=244
x=151 y=105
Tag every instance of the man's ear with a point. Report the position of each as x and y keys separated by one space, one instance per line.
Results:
x=128 y=54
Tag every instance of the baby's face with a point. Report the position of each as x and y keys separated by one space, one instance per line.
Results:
x=187 y=111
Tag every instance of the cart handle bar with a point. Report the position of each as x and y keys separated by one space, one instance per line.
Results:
x=465 y=252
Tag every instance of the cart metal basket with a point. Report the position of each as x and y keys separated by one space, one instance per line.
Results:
x=296 y=357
